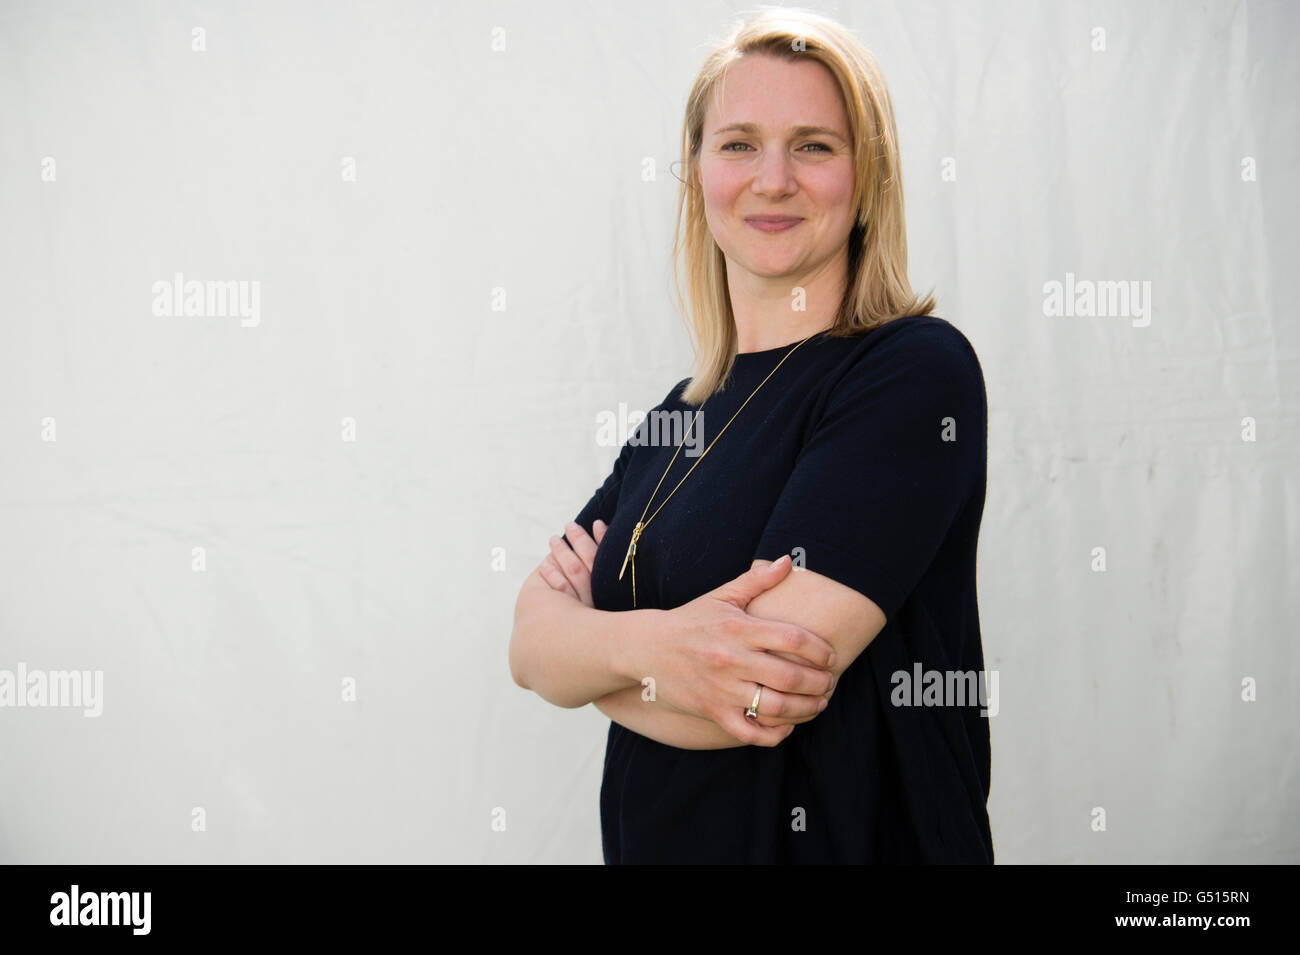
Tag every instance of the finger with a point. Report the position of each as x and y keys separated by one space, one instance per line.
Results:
x=788 y=676
x=754 y=581
x=581 y=543
x=555 y=577
x=598 y=529
x=574 y=569
x=768 y=719
x=565 y=558
x=556 y=574
x=750 y=732
x=773 y=704
x=792 y=639
x=834 y=671
x=780 y=720
x=777 y=721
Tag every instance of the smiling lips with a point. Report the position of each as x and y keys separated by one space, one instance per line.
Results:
x=773 y=223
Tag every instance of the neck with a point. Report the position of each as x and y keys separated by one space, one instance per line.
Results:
x=767 y=310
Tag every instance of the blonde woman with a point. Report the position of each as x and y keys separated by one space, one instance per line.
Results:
x=763 y=712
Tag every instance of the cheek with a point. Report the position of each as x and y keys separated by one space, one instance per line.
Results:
x=833 y=192
x=720 y=188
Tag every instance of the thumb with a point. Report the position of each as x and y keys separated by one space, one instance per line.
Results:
x=755 y=581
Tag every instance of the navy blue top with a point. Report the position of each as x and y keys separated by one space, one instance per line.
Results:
x=864 y=457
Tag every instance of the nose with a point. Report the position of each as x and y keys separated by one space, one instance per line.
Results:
x=775 y=176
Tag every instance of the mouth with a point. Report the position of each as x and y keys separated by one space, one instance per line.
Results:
x=773 y=223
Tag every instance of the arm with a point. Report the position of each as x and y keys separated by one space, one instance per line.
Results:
x=845 y=618
x=567 y=653
x=705 y=657
x=662 y=723
x=657 y=719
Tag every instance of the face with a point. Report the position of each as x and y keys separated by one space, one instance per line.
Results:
x=756 y=161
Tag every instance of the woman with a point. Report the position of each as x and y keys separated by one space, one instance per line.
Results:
x=759 y=713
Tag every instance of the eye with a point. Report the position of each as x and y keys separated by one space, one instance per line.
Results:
x=818 y=147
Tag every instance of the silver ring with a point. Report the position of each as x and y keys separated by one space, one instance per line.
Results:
x=752 y=712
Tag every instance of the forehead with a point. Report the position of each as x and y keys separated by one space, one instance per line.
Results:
x=776 y=94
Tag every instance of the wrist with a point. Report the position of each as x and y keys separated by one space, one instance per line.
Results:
x=631 y=650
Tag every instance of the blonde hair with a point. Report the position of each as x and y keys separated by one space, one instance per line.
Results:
x=877 y=289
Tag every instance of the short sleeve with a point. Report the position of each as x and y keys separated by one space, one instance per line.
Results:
x=604 y=502
x=899 y=448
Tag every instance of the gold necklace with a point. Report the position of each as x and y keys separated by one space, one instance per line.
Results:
x=642 y=524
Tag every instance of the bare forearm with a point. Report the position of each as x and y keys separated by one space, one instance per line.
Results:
x=566 y=652
x=661 y=723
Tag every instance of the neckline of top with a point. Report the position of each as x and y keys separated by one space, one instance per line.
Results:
x=747 y=356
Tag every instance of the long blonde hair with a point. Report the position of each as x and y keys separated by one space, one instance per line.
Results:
x=877 y=289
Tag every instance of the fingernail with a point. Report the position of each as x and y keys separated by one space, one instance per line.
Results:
x=822 y=705
x=831 y=661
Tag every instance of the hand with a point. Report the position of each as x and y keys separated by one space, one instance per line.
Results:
x=709 y=654
x=568 y=569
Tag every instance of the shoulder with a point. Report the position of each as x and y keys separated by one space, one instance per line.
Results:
x=639 y=436
x=922 y=352
x=929 y=336
x=674 y=398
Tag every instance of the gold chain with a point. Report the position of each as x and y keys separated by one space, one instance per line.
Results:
x=644 y=522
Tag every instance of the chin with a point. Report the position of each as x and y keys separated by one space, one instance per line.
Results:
x=773 y=270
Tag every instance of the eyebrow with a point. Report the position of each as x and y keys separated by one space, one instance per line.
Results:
x=798 y=130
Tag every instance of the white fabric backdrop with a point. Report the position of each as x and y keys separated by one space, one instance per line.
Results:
x=480 y=169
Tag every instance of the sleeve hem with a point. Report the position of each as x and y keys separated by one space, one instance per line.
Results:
x=855 y=570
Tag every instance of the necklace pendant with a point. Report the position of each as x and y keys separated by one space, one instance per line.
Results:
x=631 y=549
